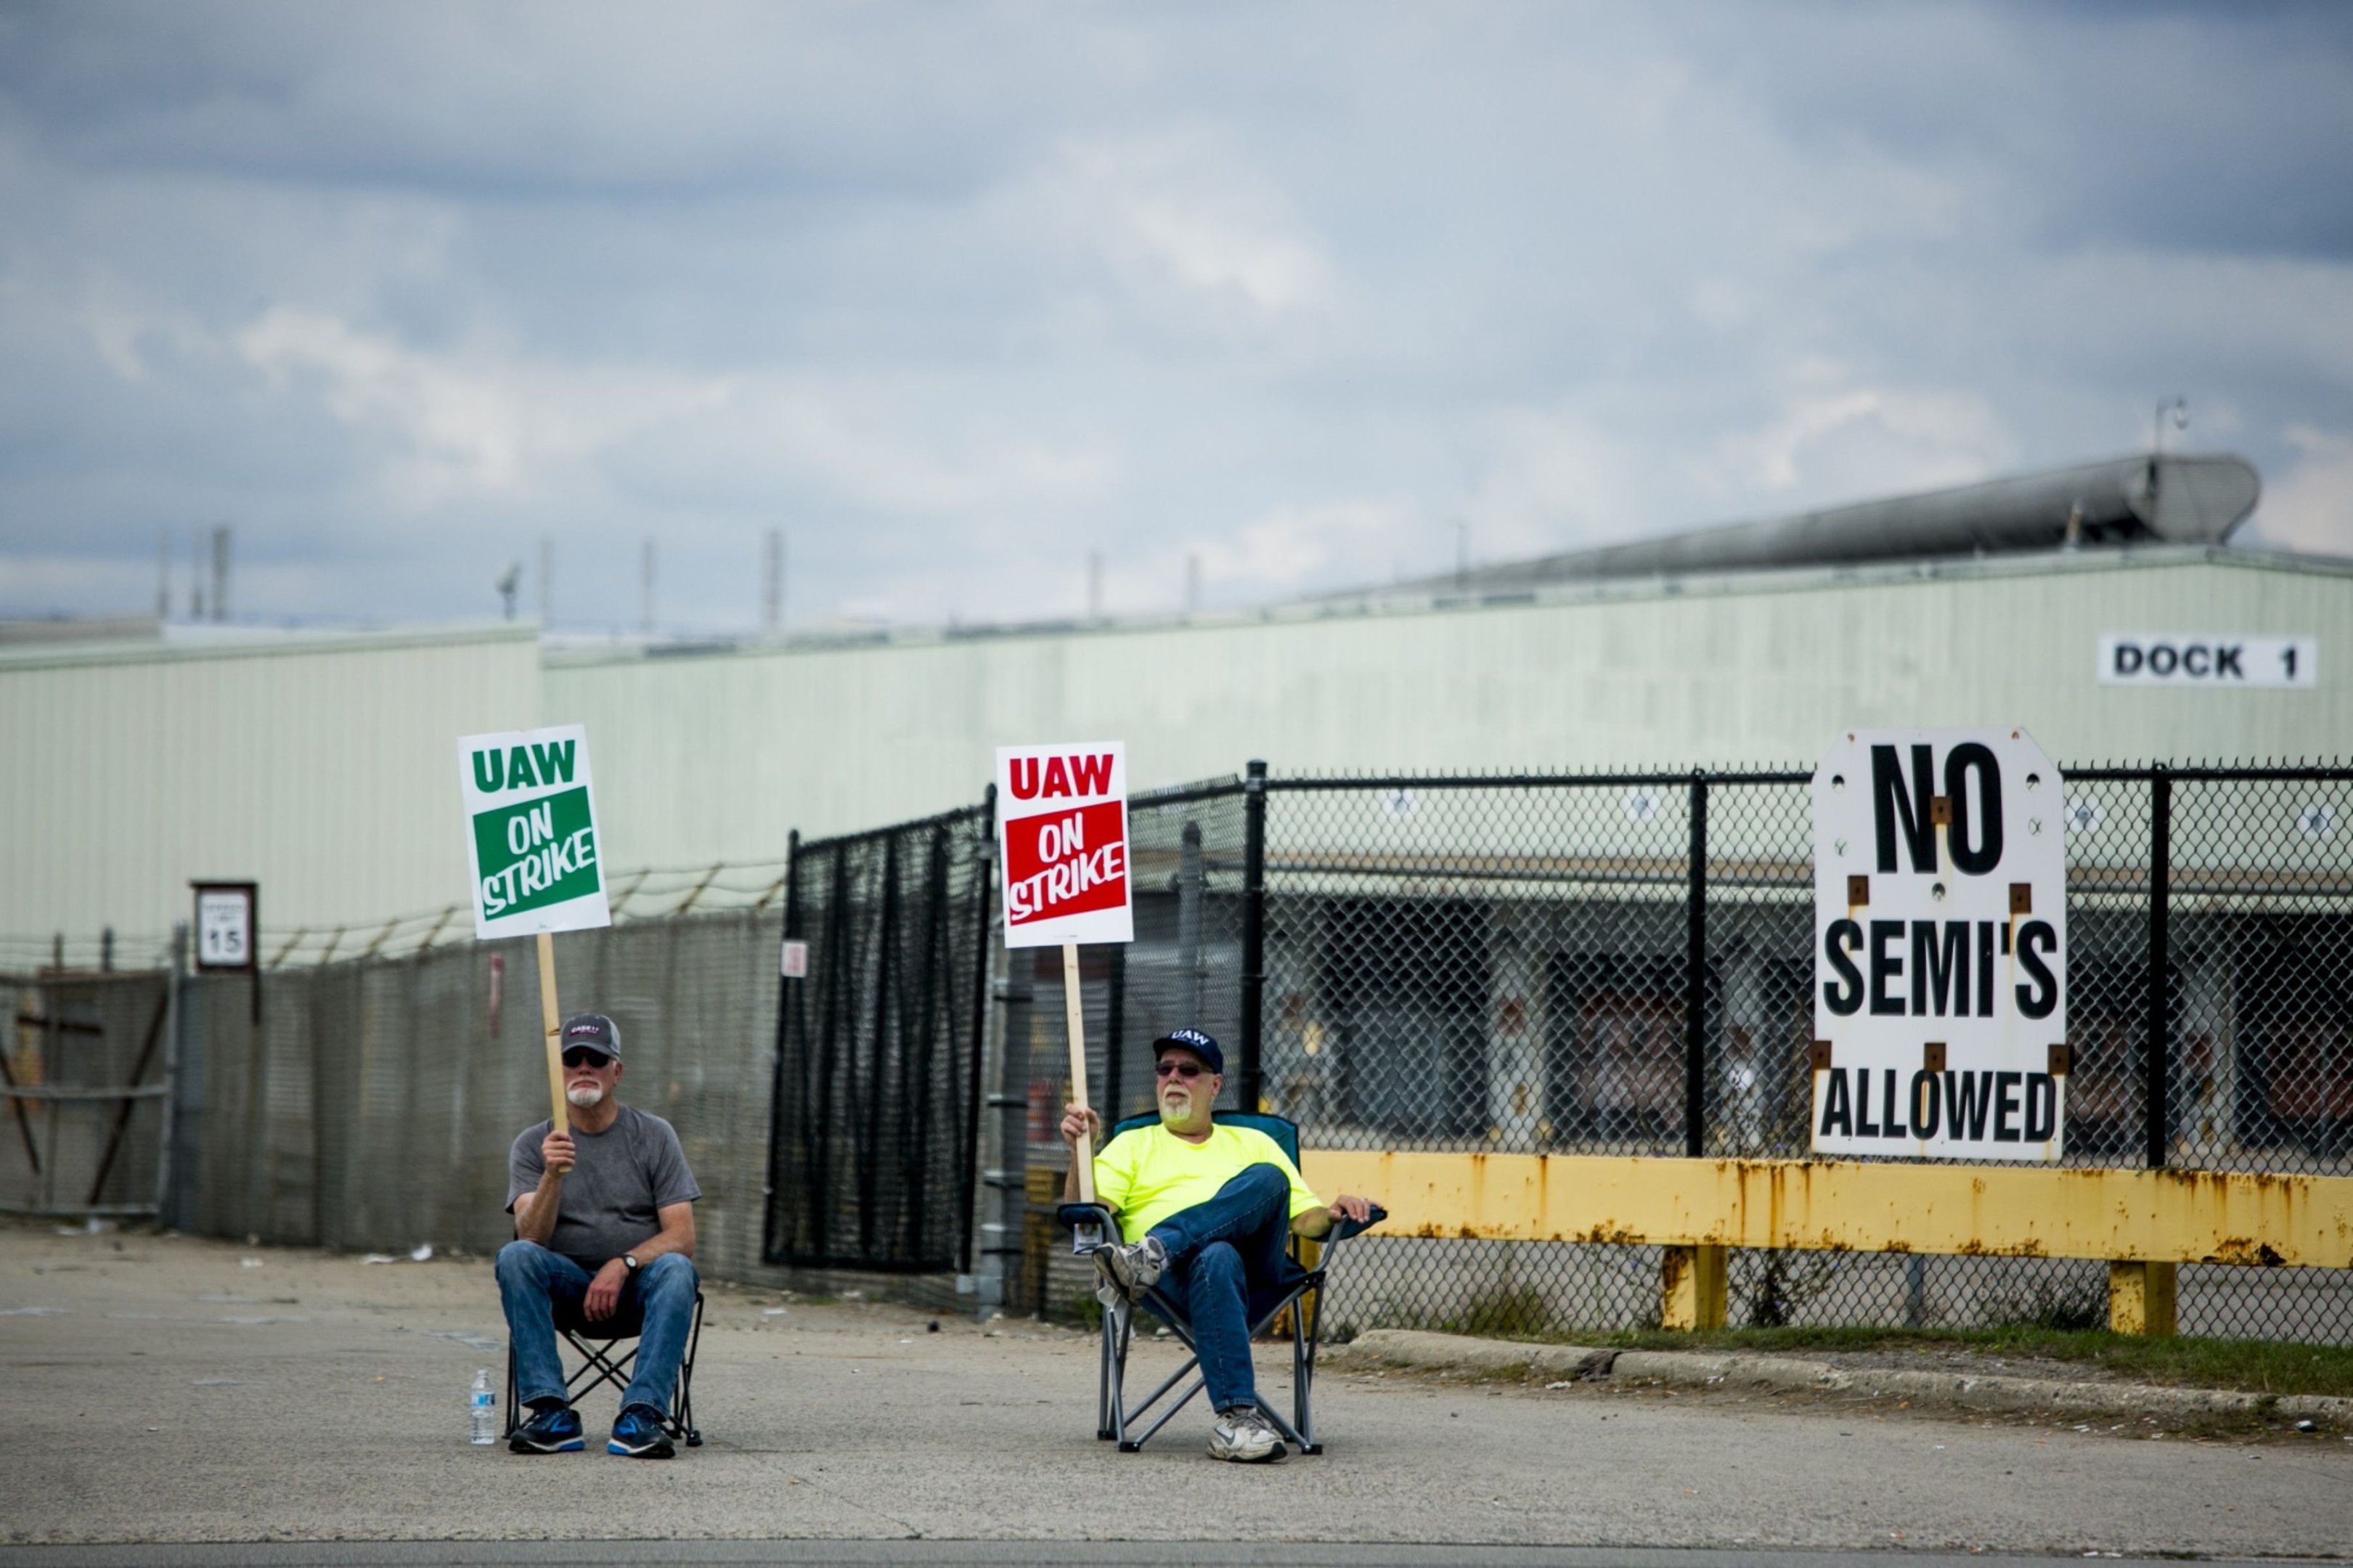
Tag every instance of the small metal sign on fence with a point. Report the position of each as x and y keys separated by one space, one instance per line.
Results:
x=1941 y=947
x=227 y=937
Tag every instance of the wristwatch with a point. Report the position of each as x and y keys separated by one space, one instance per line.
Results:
x=630 y=1261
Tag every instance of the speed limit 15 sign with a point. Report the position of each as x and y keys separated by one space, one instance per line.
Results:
x=1941 y=947
x=229 y=925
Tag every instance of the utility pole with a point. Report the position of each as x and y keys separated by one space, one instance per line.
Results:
x=196 y=574
x=772 y=579
x=2178 y=407
x=220 y=572
x=646 y=584
x=546 y=581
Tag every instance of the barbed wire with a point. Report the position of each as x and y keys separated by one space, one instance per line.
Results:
x=662 y=892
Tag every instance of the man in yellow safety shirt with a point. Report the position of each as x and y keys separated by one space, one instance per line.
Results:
x=1209 y=1208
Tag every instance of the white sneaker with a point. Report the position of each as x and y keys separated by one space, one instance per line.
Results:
x=1244 y=1436
x=1135 y=1268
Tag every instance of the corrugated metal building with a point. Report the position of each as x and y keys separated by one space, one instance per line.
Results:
x=707 y=758
x=323 y=767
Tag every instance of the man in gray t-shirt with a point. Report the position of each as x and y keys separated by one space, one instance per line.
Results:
x=605 y=1240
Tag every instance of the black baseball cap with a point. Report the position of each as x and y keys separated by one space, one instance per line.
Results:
x=1195 y=1041
x=590 y=1031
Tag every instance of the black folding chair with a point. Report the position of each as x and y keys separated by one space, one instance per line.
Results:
x=594 y=1343
x=1092 y=1223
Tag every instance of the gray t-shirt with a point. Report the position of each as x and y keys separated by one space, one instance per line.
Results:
x=622 y=1178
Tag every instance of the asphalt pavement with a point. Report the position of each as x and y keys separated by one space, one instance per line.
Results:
x=231 y=1403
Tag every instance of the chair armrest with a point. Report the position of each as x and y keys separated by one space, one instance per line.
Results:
x=1090 y=1224
x=1346 y=1229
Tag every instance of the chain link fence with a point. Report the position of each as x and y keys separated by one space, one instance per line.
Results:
x=1188 y=858
x=1612 y=964
x=368 y=1105
x=1622 y=965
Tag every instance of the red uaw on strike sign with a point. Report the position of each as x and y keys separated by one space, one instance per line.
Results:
x=1062 y=814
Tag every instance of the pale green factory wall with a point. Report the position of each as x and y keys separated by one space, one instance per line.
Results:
x=716 y=758
x=324 y=769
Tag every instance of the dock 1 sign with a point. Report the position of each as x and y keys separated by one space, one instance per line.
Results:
x=1941 y=947
x=532 y=832
x=1062 y=837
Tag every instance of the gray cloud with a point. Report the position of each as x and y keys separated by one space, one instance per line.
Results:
x=958 y=294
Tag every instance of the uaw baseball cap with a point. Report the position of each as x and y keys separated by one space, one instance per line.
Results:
x=590 y=1031
x=1195 y=1041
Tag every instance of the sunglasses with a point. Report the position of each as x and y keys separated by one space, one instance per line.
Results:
x=584 y=1057
x=1182 y=1069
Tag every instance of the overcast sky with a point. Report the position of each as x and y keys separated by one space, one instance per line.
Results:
x=955 y=295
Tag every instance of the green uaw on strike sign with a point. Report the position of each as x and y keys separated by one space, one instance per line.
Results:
x=532 y=832
x=1941 y=947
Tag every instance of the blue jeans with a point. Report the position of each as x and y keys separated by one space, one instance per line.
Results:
x=658 y=1299
x=1227 y=1263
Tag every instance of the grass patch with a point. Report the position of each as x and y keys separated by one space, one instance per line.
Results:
x=2255 y=1366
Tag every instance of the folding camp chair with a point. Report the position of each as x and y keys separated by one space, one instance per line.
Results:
x=1092 y=1223
x=594 y=1343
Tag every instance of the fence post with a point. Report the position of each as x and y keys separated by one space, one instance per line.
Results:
x=770 y=1233
x=167 y=1210
x=2160 y=880
x=975 y=1154
x=1246 y=1088
x=1695 y=978
x=1107 y=1093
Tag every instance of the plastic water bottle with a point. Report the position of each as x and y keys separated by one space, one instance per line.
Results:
x=482 y=1410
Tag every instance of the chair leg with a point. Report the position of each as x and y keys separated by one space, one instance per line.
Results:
x=682 y=1396
x=513 y=1420
x=1303 y=1383
x=1106 y=1375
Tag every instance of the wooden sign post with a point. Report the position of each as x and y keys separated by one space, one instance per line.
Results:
x=1074 y=1024
x=551 y=1019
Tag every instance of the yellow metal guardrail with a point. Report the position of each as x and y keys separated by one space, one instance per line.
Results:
x=2145 y=1223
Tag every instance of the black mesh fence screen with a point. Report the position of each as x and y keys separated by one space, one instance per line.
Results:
x=371 y=1105
x=871 y=1157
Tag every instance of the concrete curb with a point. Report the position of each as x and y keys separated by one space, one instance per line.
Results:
x=1702 y=1369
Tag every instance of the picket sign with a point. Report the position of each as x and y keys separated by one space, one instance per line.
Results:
x=1941 y=947
x=530 y=838
x=1062 y=839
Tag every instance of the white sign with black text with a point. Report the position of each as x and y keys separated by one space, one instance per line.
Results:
x=226 y=937
x=1941 y=947
x=2209 y=659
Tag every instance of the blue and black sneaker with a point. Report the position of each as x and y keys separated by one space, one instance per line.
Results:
x=555 y=1430
x=638 y=1435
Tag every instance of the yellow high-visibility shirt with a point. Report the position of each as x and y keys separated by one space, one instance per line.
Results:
x=1149 y=1173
